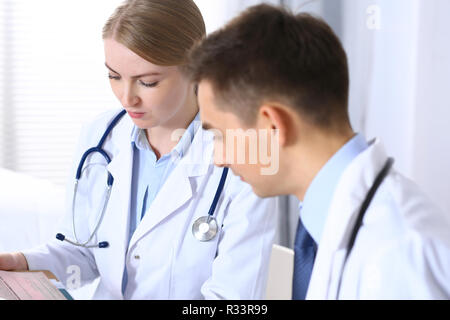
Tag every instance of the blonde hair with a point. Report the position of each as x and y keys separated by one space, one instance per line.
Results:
x=160 y=31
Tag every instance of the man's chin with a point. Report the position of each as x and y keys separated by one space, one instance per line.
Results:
x=262 y=193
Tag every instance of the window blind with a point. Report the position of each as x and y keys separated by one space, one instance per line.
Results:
x=52 y=80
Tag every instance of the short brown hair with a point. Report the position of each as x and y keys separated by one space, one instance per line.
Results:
x=160 y=31
x=270 y=53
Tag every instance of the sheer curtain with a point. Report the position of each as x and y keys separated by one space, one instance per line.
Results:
x=431 y=152
x=399 y=58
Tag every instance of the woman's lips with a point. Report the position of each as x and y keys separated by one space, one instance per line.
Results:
x=136 y=115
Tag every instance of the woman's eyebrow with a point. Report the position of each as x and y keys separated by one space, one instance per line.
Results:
x=111 y=69
x=138 y=76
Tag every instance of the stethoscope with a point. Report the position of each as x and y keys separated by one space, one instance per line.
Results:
x=204 y=229
x=365 y=205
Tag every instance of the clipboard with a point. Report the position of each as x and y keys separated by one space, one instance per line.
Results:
x=31 y=285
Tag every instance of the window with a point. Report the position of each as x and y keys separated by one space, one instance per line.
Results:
x=52 y=79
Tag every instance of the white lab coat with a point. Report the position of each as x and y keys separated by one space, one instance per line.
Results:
x=402 y=250
x=163 y=259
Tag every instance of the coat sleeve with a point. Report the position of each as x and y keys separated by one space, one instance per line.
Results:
x=241 y=267
x=64 y=260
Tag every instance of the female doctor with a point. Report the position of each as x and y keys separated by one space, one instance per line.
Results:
x=143 y=237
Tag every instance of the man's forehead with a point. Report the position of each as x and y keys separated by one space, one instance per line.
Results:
x=209 y=113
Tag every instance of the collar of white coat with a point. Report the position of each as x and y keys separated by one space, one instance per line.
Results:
x=352 y=189
x=196 y=160
x=350 y=192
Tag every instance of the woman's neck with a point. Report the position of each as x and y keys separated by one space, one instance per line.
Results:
x=161 y=138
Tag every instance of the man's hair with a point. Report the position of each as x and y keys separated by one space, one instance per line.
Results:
x=268 y=54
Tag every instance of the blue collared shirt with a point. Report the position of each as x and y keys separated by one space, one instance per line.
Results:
x=318 y=197
x=150 y=173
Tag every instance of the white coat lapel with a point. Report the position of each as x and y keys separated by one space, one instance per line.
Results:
x=351 y=191
x=117 y=215
x=177 y=190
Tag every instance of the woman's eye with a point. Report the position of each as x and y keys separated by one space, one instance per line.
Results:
x=113 y=77
x=148 y=84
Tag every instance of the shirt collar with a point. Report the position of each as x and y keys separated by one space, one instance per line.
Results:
x=318 y=197
x=140 y=141
x=186 y=140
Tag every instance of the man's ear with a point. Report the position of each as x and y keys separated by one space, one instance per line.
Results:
x=275 y=116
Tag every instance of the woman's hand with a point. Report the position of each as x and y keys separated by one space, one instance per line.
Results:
x=13 y=262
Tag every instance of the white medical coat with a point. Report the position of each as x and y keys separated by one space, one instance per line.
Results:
x=163 y=259
x=402 y=250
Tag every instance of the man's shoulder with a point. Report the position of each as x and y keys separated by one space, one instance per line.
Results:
x=412 y=212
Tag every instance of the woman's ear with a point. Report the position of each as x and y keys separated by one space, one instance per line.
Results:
x=278 y=117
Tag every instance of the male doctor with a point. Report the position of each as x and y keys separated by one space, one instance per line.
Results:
x=365 y=231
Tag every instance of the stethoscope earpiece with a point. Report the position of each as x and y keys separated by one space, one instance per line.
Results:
x=60 y=237
x=101 y=245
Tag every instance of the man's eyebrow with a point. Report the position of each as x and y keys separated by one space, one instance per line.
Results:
x=138 y=76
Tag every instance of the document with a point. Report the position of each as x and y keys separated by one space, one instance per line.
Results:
x=28 y=286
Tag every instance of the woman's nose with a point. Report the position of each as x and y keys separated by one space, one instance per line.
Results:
x=129 y=98
x=219 y=155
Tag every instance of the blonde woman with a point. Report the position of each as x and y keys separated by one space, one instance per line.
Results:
x=143 y=237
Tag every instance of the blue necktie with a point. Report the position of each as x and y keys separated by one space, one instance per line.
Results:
x=305 y=252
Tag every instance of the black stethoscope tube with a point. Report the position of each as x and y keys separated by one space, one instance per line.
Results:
x=358 y=223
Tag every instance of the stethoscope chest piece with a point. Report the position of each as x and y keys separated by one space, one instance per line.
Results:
x=205 y=228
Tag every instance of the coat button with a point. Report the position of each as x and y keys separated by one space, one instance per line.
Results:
x=137 y=257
